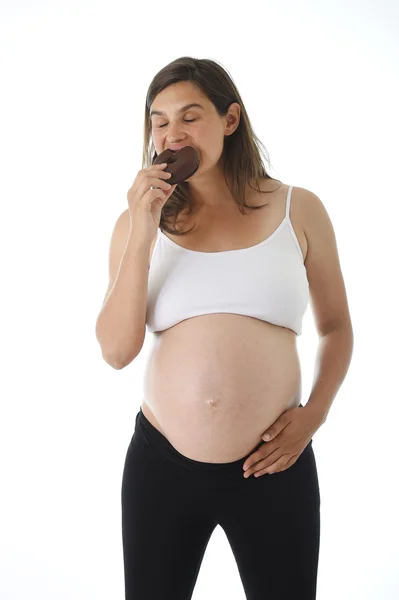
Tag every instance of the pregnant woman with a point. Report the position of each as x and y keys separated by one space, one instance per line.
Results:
x=219 y=265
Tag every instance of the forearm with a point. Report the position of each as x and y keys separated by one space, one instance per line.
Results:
x=120 y=327
x=333 y=358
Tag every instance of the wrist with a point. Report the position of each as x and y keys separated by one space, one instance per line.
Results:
x=317 y=414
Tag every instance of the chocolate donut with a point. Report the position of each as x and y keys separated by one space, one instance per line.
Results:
x=182 y=163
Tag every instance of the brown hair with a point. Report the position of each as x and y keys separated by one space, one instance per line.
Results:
x=241 y=149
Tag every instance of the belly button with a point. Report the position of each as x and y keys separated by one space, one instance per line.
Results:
x=212 y=402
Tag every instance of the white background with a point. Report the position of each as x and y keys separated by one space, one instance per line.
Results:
x=320 y=83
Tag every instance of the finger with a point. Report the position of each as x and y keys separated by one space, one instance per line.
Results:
x=159 y=171
x=264 y=451
x=164 y=185
x=289 y=464
x=255 y=457
x=277 y=427
x=256 y=468
x=278 y=465
x=261 y=464
x=165 y=174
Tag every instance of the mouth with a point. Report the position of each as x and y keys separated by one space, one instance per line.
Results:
x=175 y=148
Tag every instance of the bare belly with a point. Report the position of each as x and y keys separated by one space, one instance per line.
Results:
x=214 y=383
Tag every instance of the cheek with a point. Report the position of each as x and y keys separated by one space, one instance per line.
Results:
x=156 y=137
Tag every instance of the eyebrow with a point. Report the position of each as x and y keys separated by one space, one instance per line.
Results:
x=182 y=109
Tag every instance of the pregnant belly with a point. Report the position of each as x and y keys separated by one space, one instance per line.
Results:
x=214 y=383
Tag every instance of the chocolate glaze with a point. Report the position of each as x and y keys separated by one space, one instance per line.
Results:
x=182 y=163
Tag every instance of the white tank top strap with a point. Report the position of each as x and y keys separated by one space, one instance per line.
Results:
x=288 y=203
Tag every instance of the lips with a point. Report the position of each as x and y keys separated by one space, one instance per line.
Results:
x=175 y=148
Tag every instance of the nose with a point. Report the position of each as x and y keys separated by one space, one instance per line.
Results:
x=176 y=134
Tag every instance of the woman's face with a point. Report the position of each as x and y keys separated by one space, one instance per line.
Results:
x=197 y=126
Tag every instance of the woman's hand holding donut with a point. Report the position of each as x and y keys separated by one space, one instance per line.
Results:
x=146 y=198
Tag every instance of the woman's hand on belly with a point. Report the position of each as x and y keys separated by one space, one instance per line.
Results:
x=289 y=436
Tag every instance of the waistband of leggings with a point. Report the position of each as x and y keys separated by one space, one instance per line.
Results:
x=161 y=444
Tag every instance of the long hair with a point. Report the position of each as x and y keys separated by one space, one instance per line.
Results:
x=242 y=154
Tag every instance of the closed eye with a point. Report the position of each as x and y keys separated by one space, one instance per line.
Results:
x=186 y=120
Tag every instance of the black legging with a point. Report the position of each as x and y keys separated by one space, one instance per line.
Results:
x=171 y=504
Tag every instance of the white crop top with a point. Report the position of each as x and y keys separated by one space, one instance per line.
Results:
x=267 y=281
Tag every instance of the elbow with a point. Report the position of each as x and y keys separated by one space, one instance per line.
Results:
x=119 y=363
x=115 y=364
x=120 y=356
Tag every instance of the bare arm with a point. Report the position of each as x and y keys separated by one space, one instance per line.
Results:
x=120 y=326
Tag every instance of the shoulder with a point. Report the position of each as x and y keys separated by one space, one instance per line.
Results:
x=311 y=212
